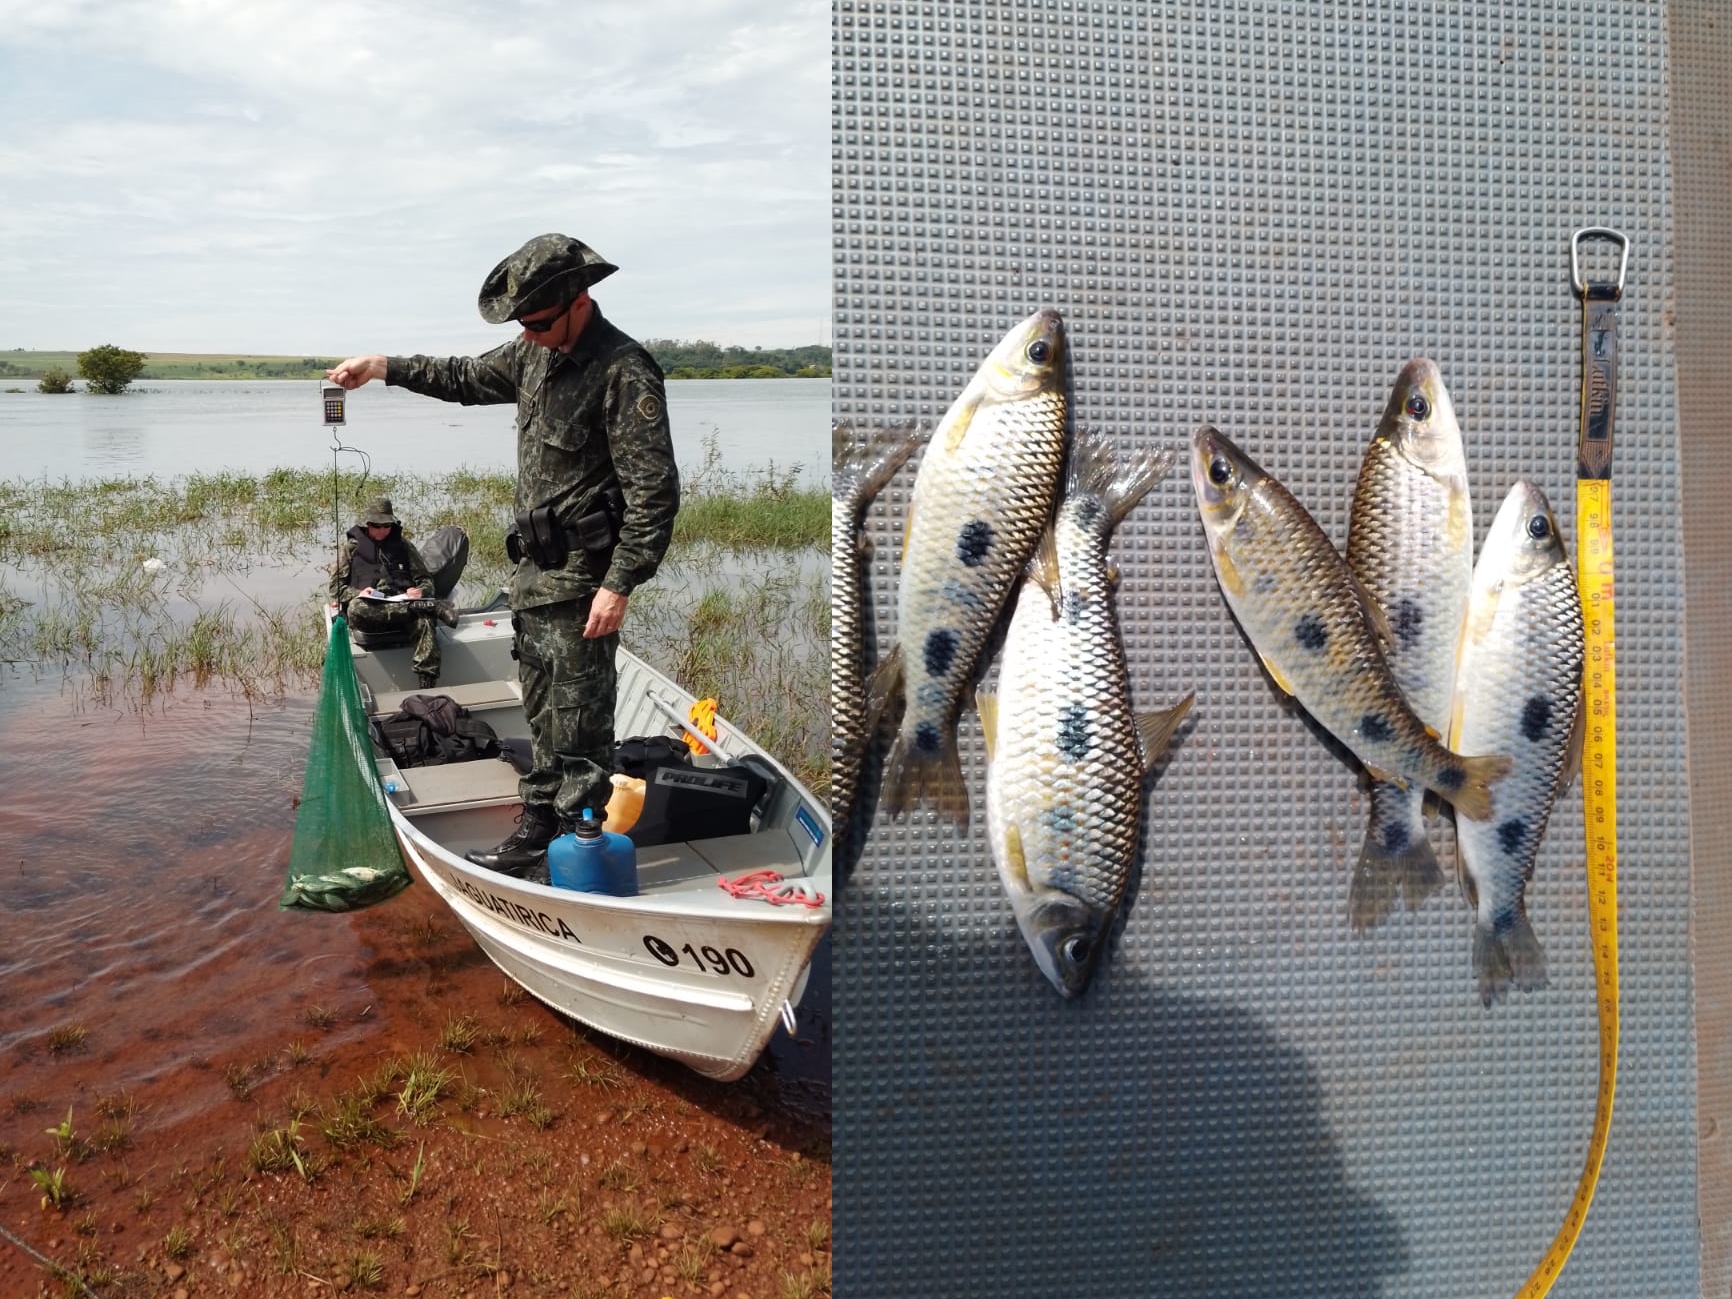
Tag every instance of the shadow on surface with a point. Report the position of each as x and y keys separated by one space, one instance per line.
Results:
x=994 y=1142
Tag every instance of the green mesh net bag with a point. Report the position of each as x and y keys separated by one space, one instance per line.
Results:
x=345 y=854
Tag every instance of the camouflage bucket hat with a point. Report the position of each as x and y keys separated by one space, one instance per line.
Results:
x=546 y=271
x=379 y=513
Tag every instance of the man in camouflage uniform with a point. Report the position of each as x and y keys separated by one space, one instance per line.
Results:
x=375 y=559
x=595 y=478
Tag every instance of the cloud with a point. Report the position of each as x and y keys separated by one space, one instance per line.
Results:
x=186 y=175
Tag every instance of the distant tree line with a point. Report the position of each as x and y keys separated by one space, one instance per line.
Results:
x=704 y=360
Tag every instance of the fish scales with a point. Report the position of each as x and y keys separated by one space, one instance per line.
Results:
x=982 y=498
x=1518 y=689
x=1068 y=757
x=1410 y=544
x=860 y=465
x=1300 y=606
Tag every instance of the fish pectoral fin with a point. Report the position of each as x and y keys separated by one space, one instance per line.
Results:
x=1043 y=569
x=1375 y=616
x=1387 y=777
x=986 y=708
x=958 y=428
x=1155 y=730
x=1113 y=574
x=1282 y=680
x=1015 y=864
x=883 y=687
x=1573 y=750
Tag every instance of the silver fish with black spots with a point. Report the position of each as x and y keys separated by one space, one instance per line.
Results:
x=1068 y=757
x=1518 y=689
x=1302 y=609
x=860 y=465
x=984 y=494
x=1410 y=544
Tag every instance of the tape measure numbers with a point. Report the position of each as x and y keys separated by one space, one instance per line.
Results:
x=1600 y=701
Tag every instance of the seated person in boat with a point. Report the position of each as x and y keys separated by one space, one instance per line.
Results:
x=374 y=564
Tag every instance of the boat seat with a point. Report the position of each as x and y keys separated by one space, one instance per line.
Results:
x=391 y=638
x=476 y=696
x=486 y=782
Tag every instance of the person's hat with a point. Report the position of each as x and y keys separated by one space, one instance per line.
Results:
x=379 y=514
x=545 y=272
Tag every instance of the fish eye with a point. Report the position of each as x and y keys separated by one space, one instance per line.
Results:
x=1418 y=406
x=1220 y=471
x=1039 y=350
x=1075 y=949
x=1539 y=527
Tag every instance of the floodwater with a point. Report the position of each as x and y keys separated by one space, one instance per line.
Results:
x=143 y=849
x=178 y=427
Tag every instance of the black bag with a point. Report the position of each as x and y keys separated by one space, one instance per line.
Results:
x=432 y=729
x=446 y=554
x=682 y=802
x=641 y=754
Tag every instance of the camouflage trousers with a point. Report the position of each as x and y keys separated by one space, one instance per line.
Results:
x=377 y=615
x=568 y=691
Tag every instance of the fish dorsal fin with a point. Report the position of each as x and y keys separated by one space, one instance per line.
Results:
x=986 y=708
x=1282 y=681
x=1015 y=864
x=1155 y=730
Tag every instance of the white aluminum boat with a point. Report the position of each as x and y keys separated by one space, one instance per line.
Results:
x=685 y=968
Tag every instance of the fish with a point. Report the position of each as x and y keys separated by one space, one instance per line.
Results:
x=1302 y=610
x=1067 y=756
x=985 y=491
x=1410 y=545
x=1518 y=688
x=860 y=465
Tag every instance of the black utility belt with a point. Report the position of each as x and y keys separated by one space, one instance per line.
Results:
x=541 y=537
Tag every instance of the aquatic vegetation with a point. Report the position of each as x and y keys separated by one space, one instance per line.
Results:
x=217 y=580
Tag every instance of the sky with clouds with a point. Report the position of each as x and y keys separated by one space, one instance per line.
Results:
x=311 y=177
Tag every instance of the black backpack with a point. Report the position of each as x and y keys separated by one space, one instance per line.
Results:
x=432 y=729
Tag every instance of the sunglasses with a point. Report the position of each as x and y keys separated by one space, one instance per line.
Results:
x=542 y=326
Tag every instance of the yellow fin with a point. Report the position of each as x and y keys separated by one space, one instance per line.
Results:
x=1016 y=865
x=986 y=707
x=1155 y=730
x=1043 y=569
x=958 y=430
x=1386 y=777
x=1282 y=680
x=1578 y=737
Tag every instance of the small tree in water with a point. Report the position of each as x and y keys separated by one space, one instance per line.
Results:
x=109 y=368
x=54 y=380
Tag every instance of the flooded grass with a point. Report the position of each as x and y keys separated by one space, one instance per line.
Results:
x=127 y=587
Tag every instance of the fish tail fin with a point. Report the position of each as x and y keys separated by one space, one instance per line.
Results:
x=1472 y=780
x=883 y=688
x=1395 y=861
x=862 y=462
x=1096 y=470
x=913 y=777
x=1507 y=952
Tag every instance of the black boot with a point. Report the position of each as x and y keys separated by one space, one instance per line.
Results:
x=526 y=849
x=443 y=610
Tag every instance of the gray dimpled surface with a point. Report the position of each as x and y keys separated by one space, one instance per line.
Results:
x=1251 y=214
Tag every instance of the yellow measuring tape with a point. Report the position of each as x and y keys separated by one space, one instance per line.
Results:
x=1599 y=687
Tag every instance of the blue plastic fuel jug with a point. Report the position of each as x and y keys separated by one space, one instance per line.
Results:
x=593 y=860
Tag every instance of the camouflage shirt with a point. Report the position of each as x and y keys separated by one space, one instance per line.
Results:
x=413 y=571
x=586 y=419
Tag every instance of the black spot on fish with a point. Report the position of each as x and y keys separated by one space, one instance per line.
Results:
x=1073 y=731
x=1310 y=632
x=1536 y=717
x=1086 y=511
x=940 y=652
x=1406 y=621
x=1376 y=728
x=974 y=542
x=1061 y=819
x=926 y=738
x=1396 y=838
x=1073 y=606
x=1512 y=834
x=1451 y=778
